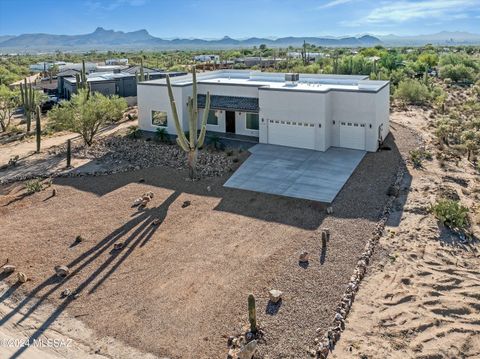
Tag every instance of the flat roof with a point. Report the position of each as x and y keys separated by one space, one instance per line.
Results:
x=276 y=81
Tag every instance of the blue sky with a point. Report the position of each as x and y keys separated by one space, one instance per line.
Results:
x=240 y=18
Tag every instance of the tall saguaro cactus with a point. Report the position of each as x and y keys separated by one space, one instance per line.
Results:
x=38 y=128
x=142 y=77
x=28 y=101
x=81 y=79
x=196 y=140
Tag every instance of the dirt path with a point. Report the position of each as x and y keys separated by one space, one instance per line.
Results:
x=421 y=298
x=27 y=148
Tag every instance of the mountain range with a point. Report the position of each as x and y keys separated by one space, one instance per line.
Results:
x=102 y=39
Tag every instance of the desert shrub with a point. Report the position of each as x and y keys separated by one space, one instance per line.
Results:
x=451 y=213
x=457 y=73
x=134 y=132
x=33 y=186
x=418 y=156
x=413 y=92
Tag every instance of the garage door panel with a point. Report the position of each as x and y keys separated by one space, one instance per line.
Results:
x=283 y=134
x=352 y=135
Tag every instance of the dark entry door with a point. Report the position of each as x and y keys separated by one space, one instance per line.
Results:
x=230 y=121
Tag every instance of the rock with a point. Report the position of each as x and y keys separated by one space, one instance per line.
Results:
x=137 y=202
x=144 y=202
x=8 y=268
x=275 y=295
x=54 y=192
x=338 y=317
x=141 y=180
x=329 y=210
x=62 y=271
x=156 y=222
x=248 y=350
x=22 y=277
x=118 y=246
x=66 y=293
x=186 y=204
x=79 y=239
x=303 y=257
x=209 y=189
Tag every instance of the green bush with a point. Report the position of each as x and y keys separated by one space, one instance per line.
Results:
x=134 y=132
x=457 y=73
x=161 y=134
x=417 y=157
x=413 y=92
x=451 y=213
x=33 y=186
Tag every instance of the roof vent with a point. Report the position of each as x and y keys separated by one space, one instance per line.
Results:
x=292 y=78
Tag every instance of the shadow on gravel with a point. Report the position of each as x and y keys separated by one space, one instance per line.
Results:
x=120 y=244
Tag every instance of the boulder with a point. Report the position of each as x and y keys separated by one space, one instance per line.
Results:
x=62 y=271
x=22 y=277
x=275 y=295
x=8 y=268
x=248 y=350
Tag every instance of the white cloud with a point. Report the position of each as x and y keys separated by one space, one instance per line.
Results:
x=401 y=11
x=333 y=3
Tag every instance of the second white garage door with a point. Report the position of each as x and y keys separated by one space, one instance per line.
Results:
x=352 y=135
x=292 y=134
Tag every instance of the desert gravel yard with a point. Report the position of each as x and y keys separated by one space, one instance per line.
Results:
x=179 y=289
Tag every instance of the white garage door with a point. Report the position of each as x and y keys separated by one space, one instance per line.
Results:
x=352 y=135
x=291 y=133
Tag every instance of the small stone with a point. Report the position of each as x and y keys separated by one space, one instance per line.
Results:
x=76 y=296
x=303 y=257
x=329 y=210
x=230 y=340
x=248 y=350
x=66 y=293
x=338 y=316
x=275 y=295
x=144 y=202
x=62 y=271
x=54 y=192
x=118 y=246
x=141 y=180
x=137 y=202
x=186 y=204
x=156 y=222
x=209 y=189
x=79 y=239
x=8 y=268
x=22 y=277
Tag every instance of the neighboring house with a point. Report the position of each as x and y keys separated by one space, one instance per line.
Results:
x=311 y=56
x=257 y=61
x=206 y=58
x=122 y=84
x=116 y=62
x=305 y=111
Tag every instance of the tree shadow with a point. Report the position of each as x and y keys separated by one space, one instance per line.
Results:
x=136 y=233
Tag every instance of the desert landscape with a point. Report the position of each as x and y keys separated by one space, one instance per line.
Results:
x=164 y=195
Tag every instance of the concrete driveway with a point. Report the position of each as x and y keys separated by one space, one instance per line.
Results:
x=295 y=172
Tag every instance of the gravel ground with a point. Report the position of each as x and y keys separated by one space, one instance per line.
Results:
x=180 y=288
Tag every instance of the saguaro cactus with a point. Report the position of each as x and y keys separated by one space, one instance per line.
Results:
x=81 y=79
x=252 y=313
x=142 y=77
x=195 y=140
x=27 y=94
x=38 y=128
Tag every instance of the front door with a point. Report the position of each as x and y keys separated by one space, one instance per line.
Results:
x=230 y=121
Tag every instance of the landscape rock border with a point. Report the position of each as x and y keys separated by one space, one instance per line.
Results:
x=327 y=343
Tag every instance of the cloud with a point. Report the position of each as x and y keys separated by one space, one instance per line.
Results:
x=333 y=3
x=402 y=11
x=113 y=4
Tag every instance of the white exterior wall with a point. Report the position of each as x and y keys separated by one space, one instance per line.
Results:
x=155 y=98
x=383 y=110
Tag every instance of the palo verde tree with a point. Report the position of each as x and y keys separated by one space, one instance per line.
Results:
x=86 y=113
x=8 y=103
x=195 y=141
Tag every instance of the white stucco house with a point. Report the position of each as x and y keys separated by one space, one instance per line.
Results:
x=296 y=110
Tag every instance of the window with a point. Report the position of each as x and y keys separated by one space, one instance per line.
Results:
x=212 y=118
x=159 y=118
x=252 y=121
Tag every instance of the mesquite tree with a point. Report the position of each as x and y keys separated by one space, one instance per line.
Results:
x=196 y=140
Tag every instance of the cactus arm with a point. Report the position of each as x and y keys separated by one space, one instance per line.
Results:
x=38 y=129
x=191 y=127
x=142 y=78
x=203 y=129
x=22 y=96
x=181 y=139
x=194 y=103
